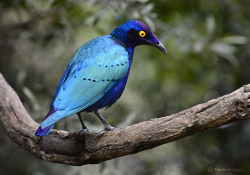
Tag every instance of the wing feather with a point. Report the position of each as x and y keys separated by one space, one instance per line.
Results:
x=93 y=70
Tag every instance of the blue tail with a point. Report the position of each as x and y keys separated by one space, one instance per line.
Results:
x=45 y=131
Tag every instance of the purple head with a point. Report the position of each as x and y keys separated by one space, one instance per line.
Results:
x=134 y=33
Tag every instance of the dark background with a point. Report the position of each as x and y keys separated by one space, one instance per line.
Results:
x=208 y=56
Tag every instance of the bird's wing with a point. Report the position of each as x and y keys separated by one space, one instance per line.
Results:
x=94 y=69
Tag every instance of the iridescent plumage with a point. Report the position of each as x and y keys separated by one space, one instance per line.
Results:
x=97 y=74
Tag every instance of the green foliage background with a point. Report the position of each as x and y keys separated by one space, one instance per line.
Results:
x=208 y=56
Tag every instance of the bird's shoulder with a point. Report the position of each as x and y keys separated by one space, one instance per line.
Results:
x=100 y=57
x=103 y=49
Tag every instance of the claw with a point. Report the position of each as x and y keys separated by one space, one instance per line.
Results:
x=99 y=134
x=84 y=131
x=105 y=123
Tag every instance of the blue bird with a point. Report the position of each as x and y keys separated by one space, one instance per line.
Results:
x=97 y=75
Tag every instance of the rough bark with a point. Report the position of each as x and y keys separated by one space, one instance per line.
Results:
x=71 y=148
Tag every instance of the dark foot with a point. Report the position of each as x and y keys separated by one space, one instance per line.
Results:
x=99 y=134
x=84 y=131
x=107 y=126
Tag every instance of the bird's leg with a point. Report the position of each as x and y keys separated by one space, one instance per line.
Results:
x=105 y=123
x=84 y=127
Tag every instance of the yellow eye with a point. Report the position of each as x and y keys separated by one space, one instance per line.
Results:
x=142 y=33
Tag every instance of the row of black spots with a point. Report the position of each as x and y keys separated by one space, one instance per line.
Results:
x=111 y=80
x=99 y=81
x=90 y=80
x=116 y=64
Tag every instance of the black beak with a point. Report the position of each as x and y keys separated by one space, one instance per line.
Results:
x=159 y=46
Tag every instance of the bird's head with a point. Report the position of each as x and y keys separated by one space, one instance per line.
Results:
x=134 y=33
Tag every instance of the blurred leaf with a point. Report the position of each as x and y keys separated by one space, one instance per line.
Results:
x=222 y=48
x=21 y=76
x=235 y=39
x=226 y=51
x=147 y=9
x=31 y=97
x=150 y=23
x=198 y=46
x=210 y=25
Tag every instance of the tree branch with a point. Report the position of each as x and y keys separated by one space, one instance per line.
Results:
x=71 y=148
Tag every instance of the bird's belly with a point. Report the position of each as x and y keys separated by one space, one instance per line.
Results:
x=111 y=97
